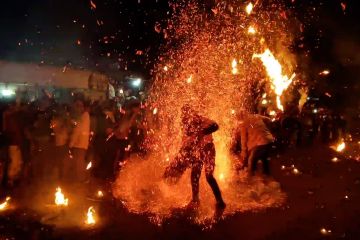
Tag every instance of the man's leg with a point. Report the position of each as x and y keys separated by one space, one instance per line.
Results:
x=15 y=165
x=252 y=162
x=265 y=160
x=80 y=165
x=195 y=178
x=209 y=158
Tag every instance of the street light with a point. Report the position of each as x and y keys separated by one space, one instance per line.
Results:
x=136 y=82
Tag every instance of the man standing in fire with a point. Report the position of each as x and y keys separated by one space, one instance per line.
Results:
x=256 y=141
x=196 y=151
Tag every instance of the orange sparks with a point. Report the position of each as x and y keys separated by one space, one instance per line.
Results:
x=343 y=6
x=92 y=4
x=249 y=8
x=279 y=82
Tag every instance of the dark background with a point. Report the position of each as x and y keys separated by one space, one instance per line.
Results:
x=120 y=35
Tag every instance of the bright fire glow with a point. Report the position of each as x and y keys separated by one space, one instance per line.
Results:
x=89 y=166
x=60 y=199
x=279 y=82
x=249 y=8
x=5 y=204
x=90 y=220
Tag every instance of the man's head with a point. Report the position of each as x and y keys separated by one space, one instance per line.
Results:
x=79 y=106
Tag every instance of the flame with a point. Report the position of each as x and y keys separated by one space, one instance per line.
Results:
x=5 y=204
x=234 y=67
x=279 y=82
x=249 y=8
x=60 y=199
x=89 y=166
x=90 y=220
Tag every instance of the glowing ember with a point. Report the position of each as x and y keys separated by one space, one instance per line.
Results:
x=166 y=68
x=189 y=80
x=325 y=231
x=89 y=166
x=335 y=159
x=249 y=8
x=279 y=82
x=324 y=73
x=234 y=67
x=251 y=30
x=100 y=194
x=155 y=111
x=90 y=220
x=60 y=199
x=5 y=204
x=296 y=171
x=340 y=147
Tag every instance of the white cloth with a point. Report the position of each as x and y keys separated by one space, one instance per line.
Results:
x=81 y=133
x=254 y=132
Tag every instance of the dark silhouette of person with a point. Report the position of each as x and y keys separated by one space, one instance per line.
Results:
x=197 y=150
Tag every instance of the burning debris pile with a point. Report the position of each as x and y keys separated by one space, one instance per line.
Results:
x=211 y=61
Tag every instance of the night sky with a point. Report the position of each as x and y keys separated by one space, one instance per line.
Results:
x=116 y=35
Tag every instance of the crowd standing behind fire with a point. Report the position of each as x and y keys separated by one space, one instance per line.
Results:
x=45 y=140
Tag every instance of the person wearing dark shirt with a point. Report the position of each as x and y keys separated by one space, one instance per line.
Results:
x=197 y=150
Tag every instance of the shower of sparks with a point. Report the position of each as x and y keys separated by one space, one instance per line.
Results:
x=201 y=46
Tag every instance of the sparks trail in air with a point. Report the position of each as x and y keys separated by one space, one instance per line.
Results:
x=208 y=63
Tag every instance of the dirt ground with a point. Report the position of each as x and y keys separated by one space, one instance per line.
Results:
x=322 y=202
